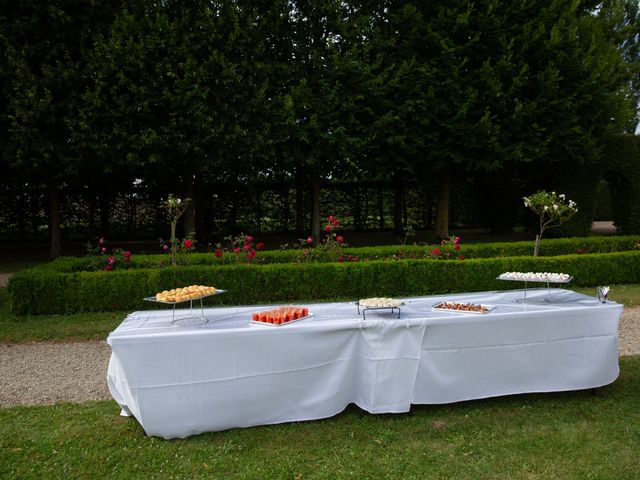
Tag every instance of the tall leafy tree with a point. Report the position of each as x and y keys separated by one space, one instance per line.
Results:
x=45 y=67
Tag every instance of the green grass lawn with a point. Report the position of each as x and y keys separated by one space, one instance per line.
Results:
x=575 y=435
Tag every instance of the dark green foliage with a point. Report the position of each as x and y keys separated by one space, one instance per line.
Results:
x=622 y=170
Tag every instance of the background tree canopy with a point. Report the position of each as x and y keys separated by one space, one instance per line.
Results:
x=272 y=114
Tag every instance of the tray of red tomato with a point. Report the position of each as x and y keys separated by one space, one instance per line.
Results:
x=277 y=317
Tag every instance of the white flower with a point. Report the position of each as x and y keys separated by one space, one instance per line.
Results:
x=555 y=207
x=561 y=196
x=546 y=208
x=179 y=201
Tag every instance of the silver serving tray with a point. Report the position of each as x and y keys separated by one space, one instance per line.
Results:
x=153 y=299
x=568 y=280
x=435 y=308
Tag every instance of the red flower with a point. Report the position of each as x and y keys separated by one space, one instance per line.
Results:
x=260 y=246
x=435 y=251
x=236 y=250
x=188 y=243
x=248 y=239
x=457 y=247
x=111 y=260
x=309 y=240
x=218 y=253
x=336 y=222
x=350 y=257
x=252 y=254
x=247 y=247
x=461 y=257
x=339 y=239
x=327 y=229
x=456 y=240
x=331 y=218
x=341 y=259
x=126 y=254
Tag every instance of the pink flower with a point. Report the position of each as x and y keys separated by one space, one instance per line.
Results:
x=165 y=247
x=126 y=254
x=248 y=239
x=260 y=246
x=327 y=229
x=336 y=223
x=456 y=240
x=101 y=241
x=252 y=254
x=442 y=242
x=457 y=247
x=350 y=257
x=111 y=260
x=339 y=239
x=309 y=240
x=218 y=253
x=341 y=258
x=103 y=250
x=188 y=243
x=236 y=250
x=247 y=247
x=331 y=218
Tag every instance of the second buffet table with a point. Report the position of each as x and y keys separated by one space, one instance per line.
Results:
x=181 y=381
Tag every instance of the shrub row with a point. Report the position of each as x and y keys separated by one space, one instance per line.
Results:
x=550 y=247
x=44 y=291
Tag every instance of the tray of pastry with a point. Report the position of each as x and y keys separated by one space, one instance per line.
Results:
x=185 y=294
x=462 y=307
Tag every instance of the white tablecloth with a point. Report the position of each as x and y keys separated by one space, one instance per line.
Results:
x=180 y=381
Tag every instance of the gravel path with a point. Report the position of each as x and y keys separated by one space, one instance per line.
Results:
x=48 y=372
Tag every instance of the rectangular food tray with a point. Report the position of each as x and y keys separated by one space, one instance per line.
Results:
x=282 y=324
x=153 y=299
x=451 y=310
x=568 y=280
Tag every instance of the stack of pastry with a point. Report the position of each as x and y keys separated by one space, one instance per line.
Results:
x=187 y=293
x=379 y=302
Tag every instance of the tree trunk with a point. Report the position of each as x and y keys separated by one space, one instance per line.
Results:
x=105 y=226
x=315 y=208
x=286 y=213
x=381 y=207
x=299 y=201
x=190 y=212
x=54 y=221
x=258 y=211
x=536 y=249
x=398 y=194
x=442 y=206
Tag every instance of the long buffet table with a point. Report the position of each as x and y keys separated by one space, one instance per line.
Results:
x=227 y=373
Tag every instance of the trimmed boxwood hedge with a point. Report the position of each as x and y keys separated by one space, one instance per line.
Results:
x=46 y=291
x=549 y=247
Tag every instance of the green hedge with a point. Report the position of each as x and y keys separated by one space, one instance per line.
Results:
x=549 y=247
x=45 y=291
